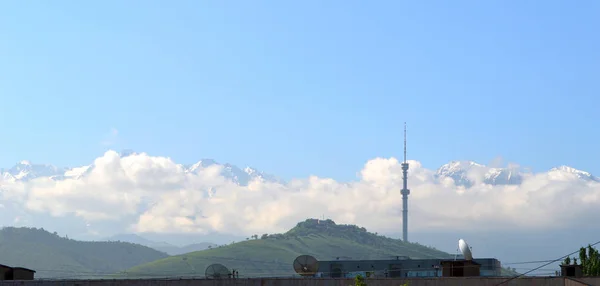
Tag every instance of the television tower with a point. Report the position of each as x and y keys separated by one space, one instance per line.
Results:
x=405 y=192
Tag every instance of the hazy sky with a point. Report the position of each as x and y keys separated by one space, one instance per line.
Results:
x=310 y=87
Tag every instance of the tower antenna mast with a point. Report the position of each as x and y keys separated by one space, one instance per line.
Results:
x=405 y=192
x=404 y=142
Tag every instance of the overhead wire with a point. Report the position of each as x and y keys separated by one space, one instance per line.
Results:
x=544 y=265
x=527 y=262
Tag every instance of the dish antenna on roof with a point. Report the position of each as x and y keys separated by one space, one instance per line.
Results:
x=306 y=265
x=465 y=249
x=216 y=271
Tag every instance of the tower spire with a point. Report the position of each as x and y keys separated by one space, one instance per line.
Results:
x=405 y=142
x=405 y=192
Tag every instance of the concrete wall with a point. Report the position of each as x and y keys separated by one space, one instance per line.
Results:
x=473 y=281
x=585 y=281
x=570 y=282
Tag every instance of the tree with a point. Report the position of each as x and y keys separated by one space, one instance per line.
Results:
x=359 y=281
x=590 y=261
x=264 y=236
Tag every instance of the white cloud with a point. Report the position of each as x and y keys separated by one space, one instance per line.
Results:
x=154 y=194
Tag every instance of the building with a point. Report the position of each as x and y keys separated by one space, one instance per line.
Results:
x=5 y=272
x=460 y=268
x=20 y=273
x=398 y=268
x=15 y=273
x=572 y=270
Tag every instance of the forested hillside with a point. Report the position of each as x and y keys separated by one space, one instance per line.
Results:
x=273 y=255
x=53 y=256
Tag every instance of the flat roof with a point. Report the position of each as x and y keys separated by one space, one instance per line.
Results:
x=406 y=259
x=23 y=268
x=459 y=261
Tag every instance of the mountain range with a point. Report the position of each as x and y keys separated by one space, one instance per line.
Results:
x=463 y=173
x=468 y=173
x=26 y=170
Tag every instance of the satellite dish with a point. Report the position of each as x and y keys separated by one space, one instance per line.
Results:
x=306 y=265
x=465 y=249
x=216 y=271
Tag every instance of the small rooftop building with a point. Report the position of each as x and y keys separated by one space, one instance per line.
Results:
x=460 y=268
x=572 y=270
x=5 y=272
x=20 y=273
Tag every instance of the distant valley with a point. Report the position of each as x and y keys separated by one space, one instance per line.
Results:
x=165 y=247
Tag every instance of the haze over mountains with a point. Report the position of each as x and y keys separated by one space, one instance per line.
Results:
x=160 y=245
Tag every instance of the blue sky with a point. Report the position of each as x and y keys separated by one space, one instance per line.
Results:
x=304 y=87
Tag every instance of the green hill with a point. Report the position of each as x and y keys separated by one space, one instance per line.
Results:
x=54 y=256
x=273 y=255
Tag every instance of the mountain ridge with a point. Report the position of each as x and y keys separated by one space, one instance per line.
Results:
x=54 y=256
x=463 y=173
x=466 y=173
x=26 y=170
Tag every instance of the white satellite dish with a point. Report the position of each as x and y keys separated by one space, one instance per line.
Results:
x=465 y=249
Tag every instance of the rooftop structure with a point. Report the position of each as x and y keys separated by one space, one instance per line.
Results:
x=488 y=267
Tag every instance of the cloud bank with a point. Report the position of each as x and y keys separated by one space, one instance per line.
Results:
x=143 y=193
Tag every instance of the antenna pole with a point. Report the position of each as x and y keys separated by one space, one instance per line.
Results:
x=405 y=142
x=405 y=192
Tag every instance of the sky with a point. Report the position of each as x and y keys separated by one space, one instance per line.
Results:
x=301 y=88
x=315 y=92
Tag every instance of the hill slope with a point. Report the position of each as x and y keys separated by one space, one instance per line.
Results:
x=54 y=256
x=273 y=255
x=160 y=246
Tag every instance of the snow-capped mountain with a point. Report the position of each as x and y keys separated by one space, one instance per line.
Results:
x=468 y=173
x=25 y=171
x=237 y=175
x=464 y=173
x=503 y=176
x=569 y=170
x=460 y=172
